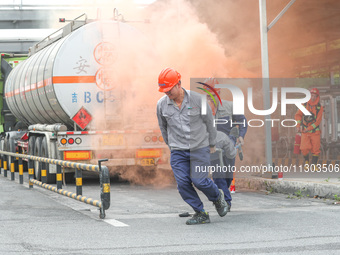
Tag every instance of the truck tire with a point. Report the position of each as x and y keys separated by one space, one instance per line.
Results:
x=51 y=178
x=37 y=153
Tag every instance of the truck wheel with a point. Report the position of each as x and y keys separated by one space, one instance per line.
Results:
x=51 y=178
x=37 y=153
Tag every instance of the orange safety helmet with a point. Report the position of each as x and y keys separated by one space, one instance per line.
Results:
x=167 y=79
x=211 y=82
x=315 y=91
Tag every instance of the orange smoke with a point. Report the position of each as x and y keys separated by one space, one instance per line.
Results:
x=175 y=37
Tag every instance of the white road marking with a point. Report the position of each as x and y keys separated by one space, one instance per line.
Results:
x=116 y=223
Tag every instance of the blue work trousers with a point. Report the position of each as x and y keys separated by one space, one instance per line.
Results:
x=189 y=169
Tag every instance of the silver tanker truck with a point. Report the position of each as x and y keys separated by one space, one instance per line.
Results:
x=72 y=99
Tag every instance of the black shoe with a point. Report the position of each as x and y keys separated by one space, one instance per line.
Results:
x=199 y=218
x=221 y=205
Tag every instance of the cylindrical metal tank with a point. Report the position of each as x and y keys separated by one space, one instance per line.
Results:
x=71 y=80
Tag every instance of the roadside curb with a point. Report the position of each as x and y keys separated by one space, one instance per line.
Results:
x=304 y=188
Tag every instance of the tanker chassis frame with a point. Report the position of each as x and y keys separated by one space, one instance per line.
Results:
x=55 y=142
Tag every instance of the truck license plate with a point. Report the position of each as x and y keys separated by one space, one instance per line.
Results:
x=147 y=162
x=113 y=139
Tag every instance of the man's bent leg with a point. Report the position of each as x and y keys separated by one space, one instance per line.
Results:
x=199 y=168
x=200 y=159
x=180 y=164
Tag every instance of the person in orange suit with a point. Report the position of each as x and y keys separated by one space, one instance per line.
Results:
x=309 y=127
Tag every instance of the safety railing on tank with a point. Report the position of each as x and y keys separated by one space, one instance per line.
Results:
x=103 y=171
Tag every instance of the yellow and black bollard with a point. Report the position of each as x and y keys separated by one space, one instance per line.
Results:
x=59 y=177
x=21 y=172
x=12 y=168
x=43 y=172
x=79 y=182
x=30 y=172
x=105 y=187
x=5 y=166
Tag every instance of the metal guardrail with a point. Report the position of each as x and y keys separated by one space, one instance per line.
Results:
x=58 y=34
x=103 y=171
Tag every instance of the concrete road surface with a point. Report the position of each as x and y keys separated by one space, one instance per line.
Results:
x=144 y=220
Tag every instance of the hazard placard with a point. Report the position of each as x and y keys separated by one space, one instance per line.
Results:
x=82 y=118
